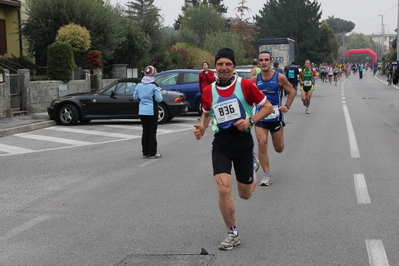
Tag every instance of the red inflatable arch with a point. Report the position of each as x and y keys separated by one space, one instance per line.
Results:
x=362 y=51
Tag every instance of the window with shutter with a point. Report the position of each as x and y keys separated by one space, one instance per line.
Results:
x=3 y=39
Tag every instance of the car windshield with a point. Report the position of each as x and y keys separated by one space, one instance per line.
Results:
x=119 y=88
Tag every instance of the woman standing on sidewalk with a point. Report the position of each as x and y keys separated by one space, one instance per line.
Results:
x=149 y=95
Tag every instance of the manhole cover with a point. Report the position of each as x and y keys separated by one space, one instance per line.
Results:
x=167 y=260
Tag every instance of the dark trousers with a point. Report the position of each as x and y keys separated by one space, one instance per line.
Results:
x=360 y=74
x=149 y=137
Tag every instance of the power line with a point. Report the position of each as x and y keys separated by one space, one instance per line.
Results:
x=377 y=16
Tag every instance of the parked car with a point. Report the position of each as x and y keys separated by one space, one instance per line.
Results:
x=115 y=101
x=243 y=72
x=184 y=80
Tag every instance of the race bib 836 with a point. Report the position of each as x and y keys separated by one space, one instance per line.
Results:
x=226 y=111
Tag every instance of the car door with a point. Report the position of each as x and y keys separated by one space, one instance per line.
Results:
x=117 y=102
x=189 y=84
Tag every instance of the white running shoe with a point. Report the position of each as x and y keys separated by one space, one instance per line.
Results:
x=155 y=156
x=307 y=110
x=231 y=241
x=266 y=180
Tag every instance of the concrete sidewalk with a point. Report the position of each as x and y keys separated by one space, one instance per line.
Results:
x=24 y=123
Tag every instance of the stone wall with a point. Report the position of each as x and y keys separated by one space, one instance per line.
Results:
x=37 y=95
x=5 y=98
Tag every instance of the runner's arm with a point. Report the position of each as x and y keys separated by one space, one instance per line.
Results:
x=286 y=85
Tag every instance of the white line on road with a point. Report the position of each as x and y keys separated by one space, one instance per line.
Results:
x=93 y=132
x=125 y=127
x=53 y=139
x=24 y=227
x=13 y=149
x=361 y=189
x=376 y=252
x=351 y=133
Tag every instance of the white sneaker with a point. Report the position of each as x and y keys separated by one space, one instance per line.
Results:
x=307 y=110
x=266 y=180
x=231 y=241
x=156 y=156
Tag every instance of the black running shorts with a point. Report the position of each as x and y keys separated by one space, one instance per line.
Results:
x=234 y=149
x=272 y=126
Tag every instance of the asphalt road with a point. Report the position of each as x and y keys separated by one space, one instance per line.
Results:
x=83 y=195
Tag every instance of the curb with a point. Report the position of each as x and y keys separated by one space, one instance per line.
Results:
x=26 y=128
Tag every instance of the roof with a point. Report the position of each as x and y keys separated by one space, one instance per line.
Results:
x=15 y=3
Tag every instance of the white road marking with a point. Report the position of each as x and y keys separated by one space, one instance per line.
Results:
x=24 y=227
x=361 y=189
x=351 y=132
x=13 y=149
x=376 y=252
x=53 y=139
x=125 y=127
x=92 y=132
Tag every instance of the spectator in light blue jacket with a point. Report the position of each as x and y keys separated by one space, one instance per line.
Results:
x=149 y=95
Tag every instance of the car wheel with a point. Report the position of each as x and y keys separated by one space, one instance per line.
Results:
x=163 y=113
x=198 y=106
x=68 y=115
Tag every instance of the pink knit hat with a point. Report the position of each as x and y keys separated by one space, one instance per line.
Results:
x=150 y=71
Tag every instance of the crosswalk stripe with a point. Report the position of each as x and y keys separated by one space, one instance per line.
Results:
x=13 y=149
x=93 y=132
x=125 y=127
x=53 y=139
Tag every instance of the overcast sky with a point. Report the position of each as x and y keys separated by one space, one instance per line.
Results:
x=364 y=13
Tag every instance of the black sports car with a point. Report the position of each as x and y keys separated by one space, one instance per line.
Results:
x=113 y=102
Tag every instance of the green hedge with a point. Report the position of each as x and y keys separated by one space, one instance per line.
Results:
x=60 y=63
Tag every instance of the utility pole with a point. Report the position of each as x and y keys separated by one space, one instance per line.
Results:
x=344 y=47
x=397 y=36
x=382 y=35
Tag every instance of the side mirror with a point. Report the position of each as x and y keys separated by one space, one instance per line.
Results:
x=113 y=95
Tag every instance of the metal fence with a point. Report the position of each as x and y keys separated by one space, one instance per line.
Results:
x=15 y=93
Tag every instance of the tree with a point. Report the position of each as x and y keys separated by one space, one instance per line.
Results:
x=135 y=48
x=241 y=27
x=45 y=17
x=148 y=18
x=77 y=36
x=60 y=62
x=323 y=47
x=340 y=28
x=217 y=4
x=185 y=36
x=339 y=25
x=202 y=21
x=297 y=20
x=216 y=40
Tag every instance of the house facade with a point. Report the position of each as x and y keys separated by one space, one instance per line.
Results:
x=10 y=16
